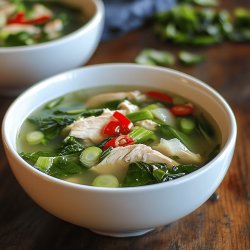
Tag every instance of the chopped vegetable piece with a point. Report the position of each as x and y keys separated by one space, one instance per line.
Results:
x=141 y=135
x=165 y=116
x=35 y=137
x=141 y=173
x=160 y=96
x=201 y=2
x=90 y=156
x=174 y=148
x=140 y=115
x=155 y=57
x=188 y=58
x=59 y=166
x=182 y=110
x=106 y=180
x=187 y=125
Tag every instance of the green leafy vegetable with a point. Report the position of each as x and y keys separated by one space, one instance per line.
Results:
x=32 y=157
x=188 y=58
x=141 y=173
x=60 y=166
x=201 y=2
x=52 y=125
x=155 y=57
x=140 y=115
x=141 y=135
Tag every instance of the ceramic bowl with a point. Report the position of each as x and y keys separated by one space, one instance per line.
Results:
x=121 y=211
x=25 y=65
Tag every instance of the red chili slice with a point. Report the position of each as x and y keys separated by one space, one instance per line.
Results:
x=18 y=18
x=38 y=20
x=112 y=128
x=125 y=123
x=123 y=119
x=120 y=141
x=124 y=140
x=160 y=96
x=182 y=110
x=110 y=143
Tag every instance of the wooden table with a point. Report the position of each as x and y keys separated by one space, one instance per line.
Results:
x=218 y=224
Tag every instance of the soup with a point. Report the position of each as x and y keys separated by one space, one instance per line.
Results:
x=113 y=137
x=33 y=22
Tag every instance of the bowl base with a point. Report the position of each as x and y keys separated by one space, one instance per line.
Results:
x=123 y=234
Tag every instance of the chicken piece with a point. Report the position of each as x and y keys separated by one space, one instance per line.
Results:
x=175 y=148
x=6 y=9
x=53 y=28
x=16 y=28
x=118 y=160
x=147 y=124
x=108 y=97
x=128 y=106
x=41 y=10
x=90 y=129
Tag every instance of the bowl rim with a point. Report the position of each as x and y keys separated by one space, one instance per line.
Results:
x=230 y=142
x=89 y=25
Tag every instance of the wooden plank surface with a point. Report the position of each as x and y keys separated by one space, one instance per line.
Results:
x=218 y=224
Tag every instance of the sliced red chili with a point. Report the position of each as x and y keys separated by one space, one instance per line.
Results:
x=110 y=143
x=123 y=119
x=120 y=141
x=38 y=20
x=18 y=18
x=125 y=123
x=112 y=128
x=160 y=96
x=182 y=109
x=124 y=140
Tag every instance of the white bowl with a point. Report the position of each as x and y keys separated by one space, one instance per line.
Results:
x=121 y=211
x=24 y=65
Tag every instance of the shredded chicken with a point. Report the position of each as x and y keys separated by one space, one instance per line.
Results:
x=53 y=28
x=16 y=28
x=118 y=160
x=40 y=10
x=6 y=9
x=90 y=129
x=148 y=124
x=108 y=97
x=128 y=106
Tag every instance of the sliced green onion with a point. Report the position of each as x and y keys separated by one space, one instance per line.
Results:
x=44 y=163
x=187 y=125
x=140 y=116
x=140 y=134
x=90 y=156
x=159 y=57
x=106 y=180
x=35 y=137
x=188 y=58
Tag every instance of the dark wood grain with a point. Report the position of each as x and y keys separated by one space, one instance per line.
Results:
x=221 y=224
